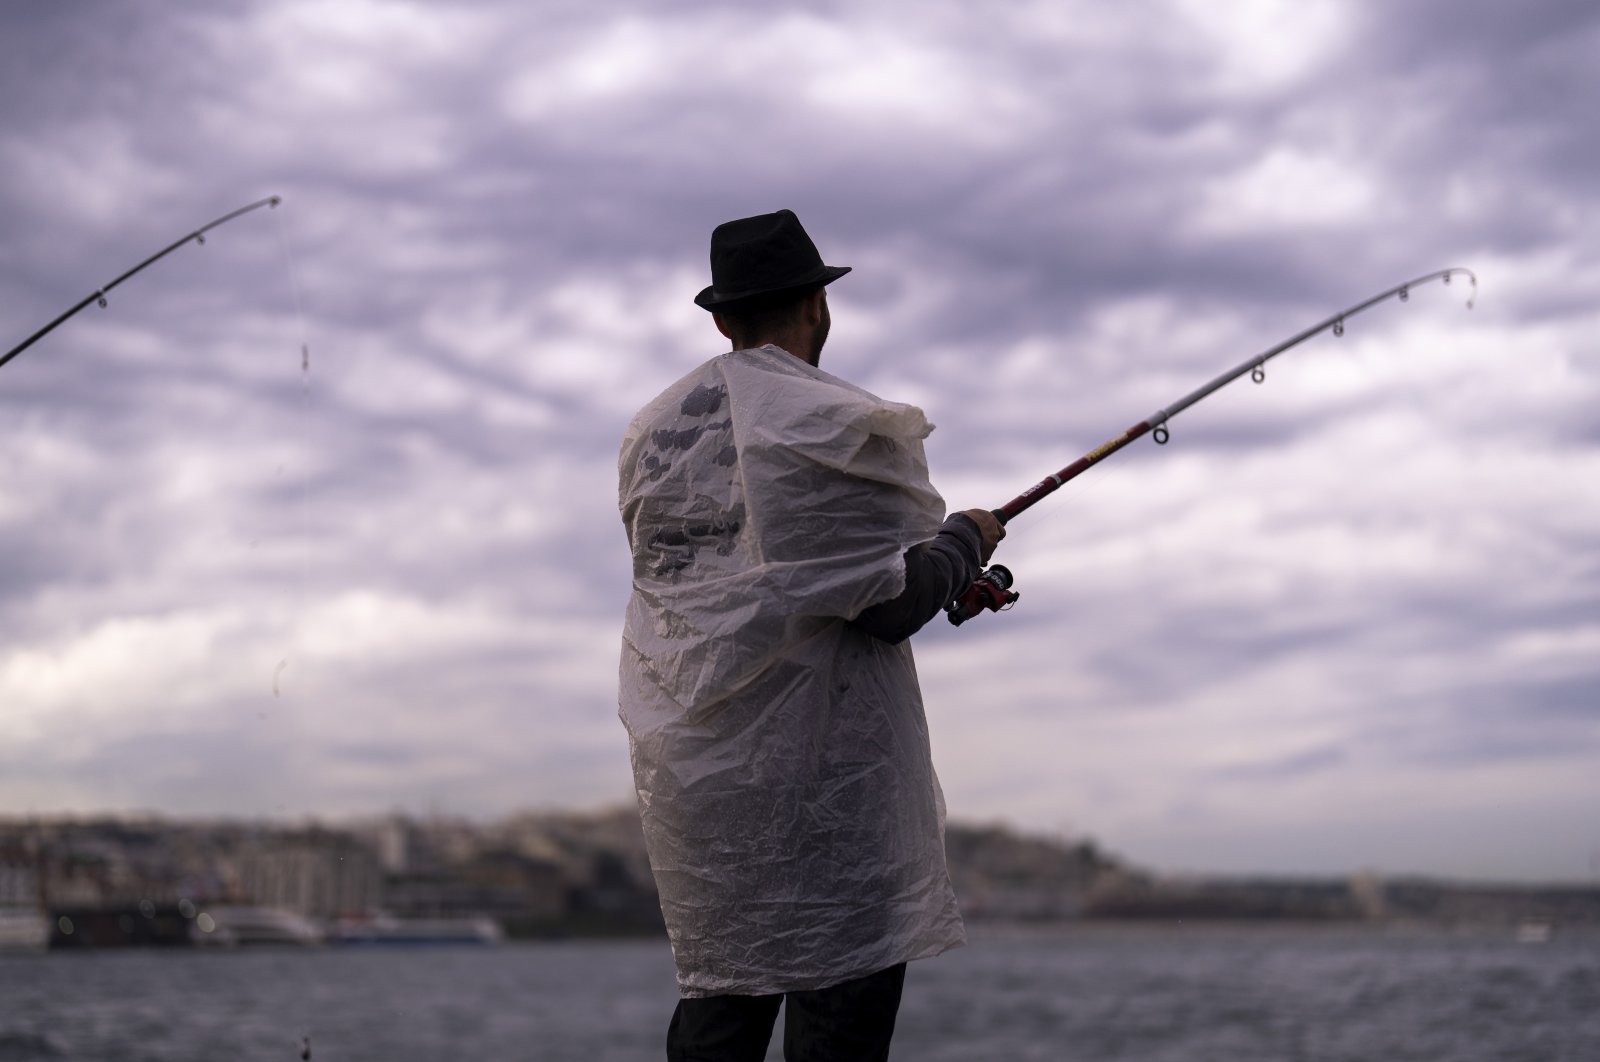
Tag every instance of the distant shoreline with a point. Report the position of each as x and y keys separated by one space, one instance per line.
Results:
x=111 y=881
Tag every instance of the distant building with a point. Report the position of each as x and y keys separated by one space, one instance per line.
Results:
x=392 y=840
x=317 y=873
x=78 y=880
x=506 y=886
x=19 y=880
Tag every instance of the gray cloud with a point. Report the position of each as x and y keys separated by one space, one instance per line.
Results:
x=1379 y=567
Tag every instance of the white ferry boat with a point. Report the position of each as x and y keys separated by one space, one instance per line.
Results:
x=237 y=926
x=387 y=929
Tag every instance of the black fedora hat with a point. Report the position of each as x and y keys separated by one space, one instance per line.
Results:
x=763 y=255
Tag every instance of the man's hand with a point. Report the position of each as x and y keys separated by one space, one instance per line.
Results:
x=991 y=529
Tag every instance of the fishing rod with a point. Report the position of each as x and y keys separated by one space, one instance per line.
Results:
x=991 y=591
x=99 y=294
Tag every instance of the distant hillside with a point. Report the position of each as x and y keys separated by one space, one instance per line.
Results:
x=566 y=872
x=1000 y=873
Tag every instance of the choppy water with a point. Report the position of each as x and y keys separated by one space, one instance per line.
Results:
x=1090 y=993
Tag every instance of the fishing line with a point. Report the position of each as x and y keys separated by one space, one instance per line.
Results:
x=290 y=264
x=299 y=304
x=198 y=236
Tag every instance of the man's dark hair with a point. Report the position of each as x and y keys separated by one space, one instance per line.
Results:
x=764 y=315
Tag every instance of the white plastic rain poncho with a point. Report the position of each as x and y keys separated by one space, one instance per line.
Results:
x=781 y=755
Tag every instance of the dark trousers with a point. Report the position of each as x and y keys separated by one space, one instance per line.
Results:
x=849 y=1022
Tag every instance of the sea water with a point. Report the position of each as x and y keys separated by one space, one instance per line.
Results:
x=1090 y=992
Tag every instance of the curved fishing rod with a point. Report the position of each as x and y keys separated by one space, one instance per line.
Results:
x=992 y=589
x=99 y=294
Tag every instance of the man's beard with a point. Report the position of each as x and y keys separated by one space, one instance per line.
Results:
x=814 y=355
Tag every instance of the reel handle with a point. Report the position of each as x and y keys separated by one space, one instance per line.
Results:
x=990 y=591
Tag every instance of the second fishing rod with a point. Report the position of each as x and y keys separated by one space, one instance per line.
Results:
x=992 y=590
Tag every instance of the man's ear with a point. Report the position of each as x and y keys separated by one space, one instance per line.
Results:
x=722 y=326
x=814 y=303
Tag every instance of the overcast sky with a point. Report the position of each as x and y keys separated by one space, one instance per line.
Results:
x=1346 y=619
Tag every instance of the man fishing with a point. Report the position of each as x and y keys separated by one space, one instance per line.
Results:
x=786 y=542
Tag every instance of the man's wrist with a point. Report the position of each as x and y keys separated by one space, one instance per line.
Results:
x=964 y=530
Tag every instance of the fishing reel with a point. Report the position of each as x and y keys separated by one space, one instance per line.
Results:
x=990 y=591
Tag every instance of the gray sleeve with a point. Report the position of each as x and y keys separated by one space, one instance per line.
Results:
x=937 y=572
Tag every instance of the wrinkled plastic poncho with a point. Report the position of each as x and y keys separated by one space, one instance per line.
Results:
x=781 y=755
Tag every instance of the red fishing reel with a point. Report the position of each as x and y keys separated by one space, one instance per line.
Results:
x=990 y=591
